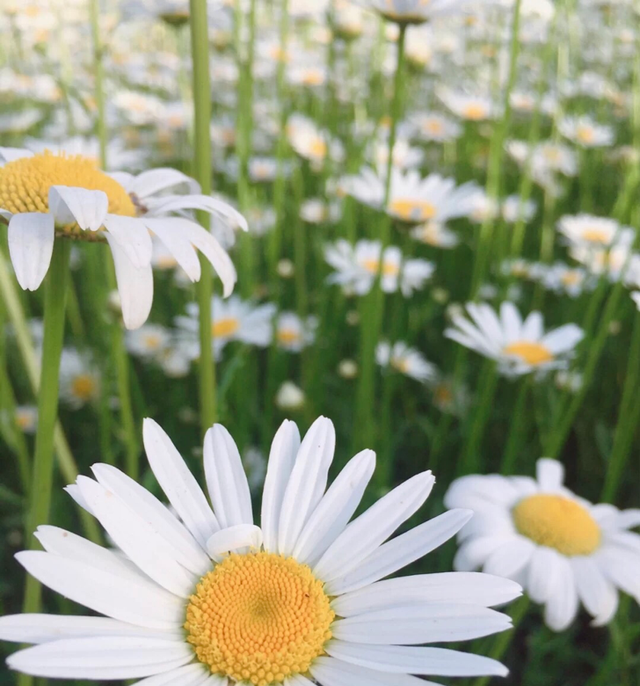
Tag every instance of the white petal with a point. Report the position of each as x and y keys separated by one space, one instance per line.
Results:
x=412 y=660
x=120 y=597
x=234 y=538
x=541 y=573
x=31 y=236
x=473 y=553
x=454 y=587
x=297 y=680
x=11 y=154
x=178 y=483
x=331 y=672
x=132 y=236
x=373 y=527
x=401 y=551
x=421 y=623
x=550 y=474
x=101 y=658
x=78 y=205
x=156 y=180
x=137 y=538
x=562 y=604
x=135 y=286
x=307 y=482
x=74 y=492
x=40 y=628
x=226 y=480
x=189 y=675
x=199 y=202
x=335 y=509
x=282 y=455
x=510 y=558
x=171 y=233
x=185 y=548
x=596 y=592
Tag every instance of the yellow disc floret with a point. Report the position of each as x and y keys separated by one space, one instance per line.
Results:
x=529 y=352
x=412 y=210
x=25 y=183
x=259 y=618
x=557 y=522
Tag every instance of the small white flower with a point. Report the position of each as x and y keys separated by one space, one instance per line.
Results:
x=406 y=360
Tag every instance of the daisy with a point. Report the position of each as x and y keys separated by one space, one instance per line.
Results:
x=406 y=360
x=414 y=11
x=310 y=142
x=79 y=379
x=436 y=127
x=231 y=320
x=46 y=196
x=468 y=106
x=290 y=396
x=586 y=133
x=148 y=342
x=519 y=347
x=587 y=230
x=435 y=234
x=25 y=418
x=207 y=597
x=412 y=199
x=294 y=334
x=561 y=548
x=514 y=210
x=358 y=266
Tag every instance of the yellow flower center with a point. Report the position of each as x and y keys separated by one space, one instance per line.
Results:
x=571 y=278
x=317 y=148
x=388 y=268
x=313 y=78
x=585 y=134
x=152 y=341
x=557 y=522
x=25 y=183
x=443 y=395
x=434 y=126
x=412 y=210
x=475 y=111
x=224 y=328
x=83 y=387
x=259 y=618
x=596 y=236
x=24 y=420
x=531 y=353
x=401 y=364
x=288 y=336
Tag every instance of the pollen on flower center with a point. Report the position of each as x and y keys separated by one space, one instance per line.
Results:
x=25 y=183
x=83 y=386
x=557 y=522
x=530 y=353
x=388 y=268
x=412 y=210
x=224 y=327
x=259 y=618
x=288 y=336
x=474 y=111
x=595 y=236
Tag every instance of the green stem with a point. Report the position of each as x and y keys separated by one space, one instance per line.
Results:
x=54 y=317
x=130 y=438
x=517 y=420
x=373 y=307
x=202 y=169
x=98 y=70
x=628 y=417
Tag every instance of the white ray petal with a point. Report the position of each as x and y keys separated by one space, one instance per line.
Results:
x=31 y=236
x=234 y=538
x=331 y=672
x=70 y=205
x=190 y=675
x=132 y=236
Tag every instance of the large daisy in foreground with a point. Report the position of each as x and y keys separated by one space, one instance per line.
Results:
x=209 y=598
x=50 y=196
x=564 y=550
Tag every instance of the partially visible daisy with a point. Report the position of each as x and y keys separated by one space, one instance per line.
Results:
x=412 y=199
x=148 y=342
x=435 y=234
x=290 y=397
x=519 y=347
x=46 y=196
x=560 y=278
x=586 y=132
x=635 y=296
x=565 y=551
x=468 y=106
x=414 y=11
x=310 y=142
x=514 y=209
x=80 y=380
x=25 y=418
x=204 y=596
x=436 y=127
x=294 y=334
x=358 y=266
x=231 y=320
x=406 y=360
x=587 y=230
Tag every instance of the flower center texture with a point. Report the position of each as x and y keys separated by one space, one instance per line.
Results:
x=318 y=148
x=259 y=618
x=474 y=112
x=388 y=268
x=83 y=387
x=596 y=236
x=25 y=183
x=288 y=336
x=412 y=210
x=531 y=353
x=557 y=522
x=224 y=327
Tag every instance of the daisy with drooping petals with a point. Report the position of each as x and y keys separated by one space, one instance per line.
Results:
x=47 y=196
x=561 y=548
x=412 y=199
x=406 y=360
x=519 y=347
x=231 y=320
x=207 y=597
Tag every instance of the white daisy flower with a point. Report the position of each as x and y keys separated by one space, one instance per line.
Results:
x=412 y=199
x=79 y=379
x=468 y=106
x=231 y=320
x=514 y=210
x=44 y=196
x=310 y=142
x=294 y=334
x=148 y=342
x=436 y=127
x=519 y=347
x=357 y=268
x=406 y=360
x=415 y=11
x=435 y=234
x=635 y=296
x=561 y=548
x=25 y=417
x=587 y=230
x=208 y=597
x=560 y=278
x=290 y=396
x=586 y=132
x=615 y=262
